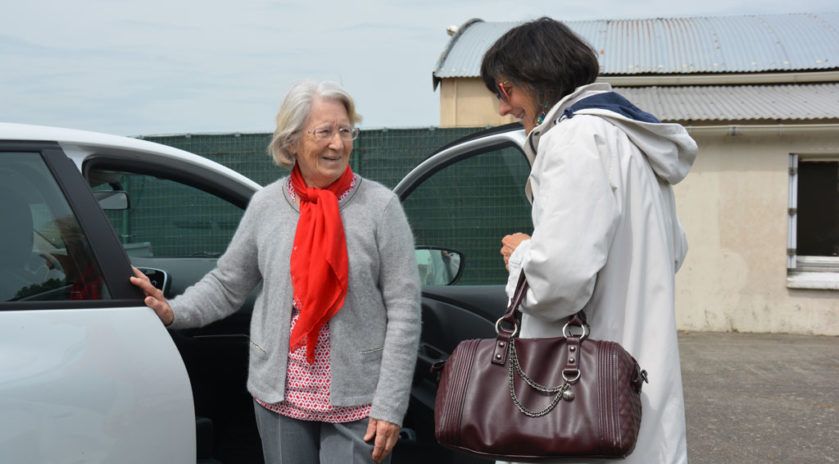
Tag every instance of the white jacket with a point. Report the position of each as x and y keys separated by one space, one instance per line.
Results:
x=607 y=240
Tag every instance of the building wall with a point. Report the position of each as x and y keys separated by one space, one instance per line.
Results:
x=465 y=103
x=733 y=206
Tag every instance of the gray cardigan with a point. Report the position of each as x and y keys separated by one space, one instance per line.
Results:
x=373 y=337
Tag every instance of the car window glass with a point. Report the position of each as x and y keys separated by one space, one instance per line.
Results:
x=469 y=206
x=44 y=254
x=165 y=218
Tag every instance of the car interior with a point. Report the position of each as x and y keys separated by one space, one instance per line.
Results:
x=15 y=243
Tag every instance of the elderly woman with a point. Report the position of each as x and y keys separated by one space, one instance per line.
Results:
x=335 y=328
x=606 y=238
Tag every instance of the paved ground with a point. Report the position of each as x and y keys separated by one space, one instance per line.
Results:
x=761 y=398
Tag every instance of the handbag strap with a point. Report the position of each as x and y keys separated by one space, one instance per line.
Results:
x=512 y=315
x=505 y=334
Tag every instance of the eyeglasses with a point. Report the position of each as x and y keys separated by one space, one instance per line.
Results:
x=503 y=93
x=325 y=133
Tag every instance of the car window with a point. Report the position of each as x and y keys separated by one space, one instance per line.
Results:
x=165 y=218
x=468 y=206
x=44 y=254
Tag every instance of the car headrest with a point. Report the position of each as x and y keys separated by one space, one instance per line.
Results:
x=15 y=229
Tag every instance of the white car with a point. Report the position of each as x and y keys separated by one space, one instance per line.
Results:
x=89 y=374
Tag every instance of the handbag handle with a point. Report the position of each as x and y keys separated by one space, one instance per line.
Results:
x=510 y=316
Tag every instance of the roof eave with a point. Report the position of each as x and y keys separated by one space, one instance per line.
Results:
x=436 y=80
x=791 y=77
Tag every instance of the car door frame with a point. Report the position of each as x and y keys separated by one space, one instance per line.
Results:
x=215 y=355
x=112 y=346
x=496 y=138
x=105 y=246
x=471 y=310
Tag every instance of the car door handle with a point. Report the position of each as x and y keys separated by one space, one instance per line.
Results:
x=428 y=356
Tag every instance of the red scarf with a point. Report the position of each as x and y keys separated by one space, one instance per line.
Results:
x=319 y=263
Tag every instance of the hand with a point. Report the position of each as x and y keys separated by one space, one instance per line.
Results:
x=386 y=434
x=509 y=244
x=154 y=297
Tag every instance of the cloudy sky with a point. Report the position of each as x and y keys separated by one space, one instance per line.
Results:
x=147 y=67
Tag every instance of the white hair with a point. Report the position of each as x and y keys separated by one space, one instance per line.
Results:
x=294 y=114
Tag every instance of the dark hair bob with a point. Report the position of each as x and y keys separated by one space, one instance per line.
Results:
x=544 y=55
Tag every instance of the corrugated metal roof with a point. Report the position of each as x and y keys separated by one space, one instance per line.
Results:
x=730 y=44
x=798 y=102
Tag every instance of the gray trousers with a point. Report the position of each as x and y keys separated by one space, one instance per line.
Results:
x=291 y=441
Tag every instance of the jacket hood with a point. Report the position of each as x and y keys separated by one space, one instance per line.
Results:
x=668 y=147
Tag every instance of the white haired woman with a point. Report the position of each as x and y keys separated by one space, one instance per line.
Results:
x=335 y=328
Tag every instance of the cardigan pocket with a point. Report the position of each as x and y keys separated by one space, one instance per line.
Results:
x=257 y=352
x=370 y=365
x=372 y=350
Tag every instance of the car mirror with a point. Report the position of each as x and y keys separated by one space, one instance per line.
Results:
x=112 y=200
x=438 y=266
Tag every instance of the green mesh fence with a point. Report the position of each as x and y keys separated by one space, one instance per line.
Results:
x=245 y=153
x=383 y=155
x=173 y=220
x=468 y=207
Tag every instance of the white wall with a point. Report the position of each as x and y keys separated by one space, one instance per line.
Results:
x=733 y=206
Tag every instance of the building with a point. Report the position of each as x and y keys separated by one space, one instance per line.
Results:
x=760 y=94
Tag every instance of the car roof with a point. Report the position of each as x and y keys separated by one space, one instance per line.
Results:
x=78 y=144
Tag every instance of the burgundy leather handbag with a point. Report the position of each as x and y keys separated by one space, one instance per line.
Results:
x=521 y=399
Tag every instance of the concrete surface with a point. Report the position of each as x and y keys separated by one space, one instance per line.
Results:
x=761 y=398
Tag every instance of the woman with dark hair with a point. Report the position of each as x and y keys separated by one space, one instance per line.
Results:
x=606 y=238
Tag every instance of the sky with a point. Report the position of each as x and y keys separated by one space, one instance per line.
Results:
x=152 y=67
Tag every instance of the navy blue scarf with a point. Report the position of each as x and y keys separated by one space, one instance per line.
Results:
x=613 y=102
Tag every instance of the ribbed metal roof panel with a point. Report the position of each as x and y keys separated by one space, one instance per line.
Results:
x=465 y=51
x=798 y=102
x=755 y=43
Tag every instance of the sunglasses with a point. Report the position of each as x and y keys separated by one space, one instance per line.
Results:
x=503 y=93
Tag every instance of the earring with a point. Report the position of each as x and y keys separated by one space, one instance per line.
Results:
x=541 y=118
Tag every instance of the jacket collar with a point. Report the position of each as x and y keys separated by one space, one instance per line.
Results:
x=552 y=118
x=554 y=115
